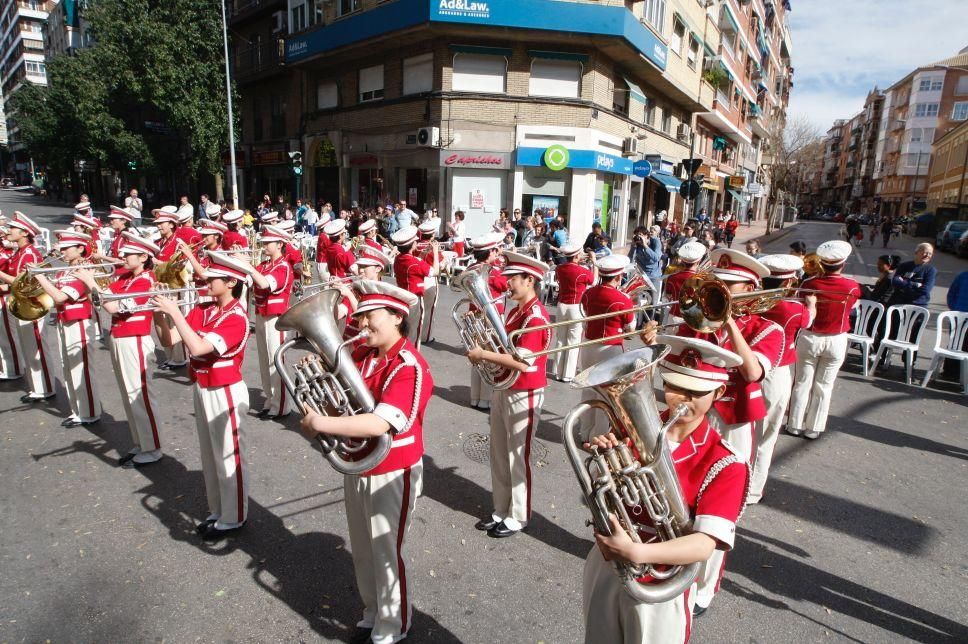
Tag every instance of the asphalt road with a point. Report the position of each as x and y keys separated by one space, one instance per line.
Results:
x=860 y=536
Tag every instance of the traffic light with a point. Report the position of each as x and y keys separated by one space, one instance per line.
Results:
x=296 y=163
x=132 y=165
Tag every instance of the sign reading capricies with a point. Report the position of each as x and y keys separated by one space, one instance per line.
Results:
x=471 y=159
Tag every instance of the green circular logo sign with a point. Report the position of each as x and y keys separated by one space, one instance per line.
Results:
x=556 y=157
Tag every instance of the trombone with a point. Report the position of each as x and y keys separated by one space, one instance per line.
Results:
x=333 y=282
x=100 y=270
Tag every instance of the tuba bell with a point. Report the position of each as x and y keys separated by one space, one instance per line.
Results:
x=638 y=473
x=329 y=383
x=481 y=325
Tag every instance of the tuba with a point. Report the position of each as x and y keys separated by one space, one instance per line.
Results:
x=329 y=383
x=641 y=474
x=481 y=325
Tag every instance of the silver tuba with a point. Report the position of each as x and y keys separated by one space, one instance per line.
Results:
x=329 y=383
x=643 y=476
x=481 y=325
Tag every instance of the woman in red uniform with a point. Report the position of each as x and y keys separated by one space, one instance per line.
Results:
x=573 y=280
x=131 y=344
x=428 y=249
x=168 y=224
x=75 y=317
x=413 y=273
x=486 y=250
x=380 y=503
x=273 y=280
x=339 y=261
x=232 y=238
x=690 y=255
x=11 y=363
x=215 y=334
x=211 y=233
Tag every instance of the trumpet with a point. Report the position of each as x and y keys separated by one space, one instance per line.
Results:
x=100 y=270
x=255 y=255
x=99 y=298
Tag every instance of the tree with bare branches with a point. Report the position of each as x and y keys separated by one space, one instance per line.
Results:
x=784 y=156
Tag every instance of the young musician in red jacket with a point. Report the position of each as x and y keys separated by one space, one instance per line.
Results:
x=371 y=263
x=272 y=288
x=606 y=297
x=428 y=249
x=414 y=274
x=368 y=231
x=339 y=261
x=186 y=224
x=31 y=339
x=131 y=344
x=215 y=334
x=713 y=479
x=76 y=330
x=793 y=315
x=118 y=219
x=11 y=362
x=486 y=250
x=515 y=411
x=821 y=349
x=233 y=239
x=690 y=256
x=322 y=244
x=573 y=280
x=380 y=502
x=211 y=233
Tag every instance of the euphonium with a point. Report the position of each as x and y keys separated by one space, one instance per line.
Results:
x=329 y=383
x=28 y=301
x=481 y=325
x=638 y=473
x=705 y=302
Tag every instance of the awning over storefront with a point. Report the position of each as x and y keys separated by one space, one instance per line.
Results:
x=670 y=182
x=737 y=196
x=635 y=91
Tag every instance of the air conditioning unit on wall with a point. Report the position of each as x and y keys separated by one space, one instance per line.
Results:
x=630 y=146
x=428 y=137
x=683 y=132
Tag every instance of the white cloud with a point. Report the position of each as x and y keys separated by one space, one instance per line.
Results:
x=843 y=48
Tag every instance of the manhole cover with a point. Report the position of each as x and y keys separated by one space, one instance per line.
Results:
x=477 y=448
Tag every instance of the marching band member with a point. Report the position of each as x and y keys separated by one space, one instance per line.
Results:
x=713 y=480
x=573 y=280
x=758 y=342
x=322 y=244
x=793 y=316
x=413 y=273
x=821 y=349
x=131 y=344
x=75 y=317
x=690 y=255
x=211 y=233
x=11 y=362
x=31 y=339
x=186 y=223
x=90 y=226
x=606 y=297
x=273 y=280
x=339 y=261
x=371 y=263
x=215 y=334
x=428 y=249
x=166 y=218
x=487 y=256
x=232 y=238
x=368 y=230
x=515 y=411
x=380 y=502
x=118 y=219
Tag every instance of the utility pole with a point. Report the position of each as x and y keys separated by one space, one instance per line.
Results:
x=228 y=94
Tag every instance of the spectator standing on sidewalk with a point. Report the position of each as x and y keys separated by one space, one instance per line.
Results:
x=134 y=205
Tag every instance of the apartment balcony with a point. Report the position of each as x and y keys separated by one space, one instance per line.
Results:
x=245 y=9
x=257 y=61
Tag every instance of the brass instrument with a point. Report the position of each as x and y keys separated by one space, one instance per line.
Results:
x=812 y=266
x=27 y=300
x=328 y=382
x=483 y=327
x=99 y=269
x=255 y=254
x=332 y=282
x=174 y=273
x=98 y=298
x=705 y=303
x=641 y=476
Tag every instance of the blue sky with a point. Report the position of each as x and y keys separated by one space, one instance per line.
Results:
x=843 y=48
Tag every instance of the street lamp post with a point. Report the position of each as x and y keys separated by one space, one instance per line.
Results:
x=228 y=92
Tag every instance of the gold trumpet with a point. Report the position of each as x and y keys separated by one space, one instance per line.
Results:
x=333 y=282
x=100 y=270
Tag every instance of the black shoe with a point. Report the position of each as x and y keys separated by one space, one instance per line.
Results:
x=202 y=527
x=500 y=531
x=698 y=610
x=361 y=635
x=486 y=524
x=263 y=413
x=67 y=422
x=212 y=533
x=135 y=465
x=31 y=398
x=127 y=457
x=280 y=416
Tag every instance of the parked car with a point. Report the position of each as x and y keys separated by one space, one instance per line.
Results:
x=963 y=245
x=950 y=235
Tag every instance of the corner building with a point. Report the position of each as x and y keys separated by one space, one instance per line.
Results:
x=585 y=107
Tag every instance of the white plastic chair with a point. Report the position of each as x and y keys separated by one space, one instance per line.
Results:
x=956 y=325
x=908 y=335
x=867 y=317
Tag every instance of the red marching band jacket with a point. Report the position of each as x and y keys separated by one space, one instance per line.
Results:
x=274 y=300
x=410 y=272
x=228 y=331
x=606 y=299
x=530 y=315
x=573 y=280
x=78 y=306
x=138 y=323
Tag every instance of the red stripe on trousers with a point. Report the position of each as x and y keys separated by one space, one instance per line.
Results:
x=236 y=452
x=282 y=388
x=144 y=393
x=527 y=448
x=685 y=607
x=722 y=571
x=401 y=566
x=10 y=341
x=87 y=370
x=48 y=387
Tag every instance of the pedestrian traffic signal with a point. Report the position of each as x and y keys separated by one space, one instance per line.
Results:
x=295 y=162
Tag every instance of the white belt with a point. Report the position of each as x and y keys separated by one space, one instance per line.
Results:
x=135 y=318
x=74 y=306
x=756 y=394
x=403 y=442
x=275 y=300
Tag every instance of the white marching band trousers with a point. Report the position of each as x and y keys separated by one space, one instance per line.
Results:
x=819 y=358
x=566 y=364
x=129 y=356
x=379 y=512
x=32 y=340
x=514 y=419
x=777 y=387
x=267 y=340
x=11 y=362
x=218 y=420
x=77 y=354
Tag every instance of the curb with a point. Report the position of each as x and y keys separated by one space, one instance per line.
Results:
x=768 y=238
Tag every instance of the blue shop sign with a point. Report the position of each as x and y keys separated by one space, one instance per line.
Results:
x=642 y=168
x=543 y=15
x=577 y=159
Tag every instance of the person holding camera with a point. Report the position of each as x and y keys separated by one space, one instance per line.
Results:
x=646 y=253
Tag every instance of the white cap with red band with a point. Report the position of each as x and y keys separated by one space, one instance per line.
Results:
x=274 y=234
x=429 y=227
x=165 y=213
x=696 y=365
x=83 y=206
x=379 y=295
x=370 y=256
x=209 y=227
x=212 y=209
x=335 y=227
x=135 y=243
x=519 y=264
x=233 y=216
x=691 y=252
x=24 y=223
x=367 y=226
x=487 y=241
x=66 y=238
x=224 y=265
x=270 y=217
x=570 y=248
x=834 y=252
x=736 y=266
x=84 y=220
x=116 y=212
x=613 y=265
x=783 y=266
x=404 y=236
